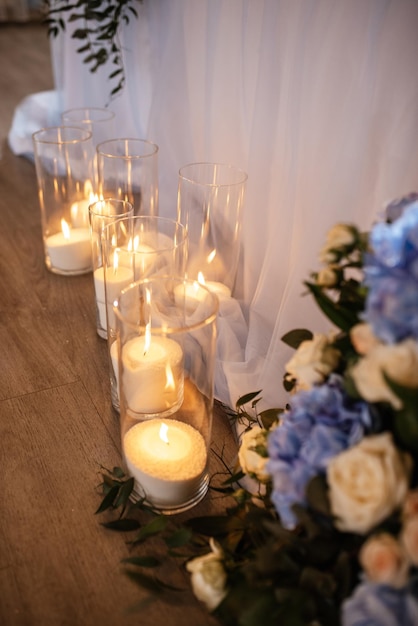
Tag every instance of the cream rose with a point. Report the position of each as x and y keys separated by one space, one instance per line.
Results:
x=398 y=361
x=208 y=577
x=313 y=361
x=367 y=482
x=327 y=277
x=250 y=460
x=384 y=560
x=363 y=338
x=339 y=236
x=409 y=538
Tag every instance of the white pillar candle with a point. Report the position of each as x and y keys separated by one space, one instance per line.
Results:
x=220 y=289
x=152 y=376
x=116 y=279
x=167 y=464
x=70 y=250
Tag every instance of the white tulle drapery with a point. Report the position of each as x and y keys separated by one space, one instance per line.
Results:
x=317 y=100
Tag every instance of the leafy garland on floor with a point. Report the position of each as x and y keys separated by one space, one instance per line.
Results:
x=326 y=533
x=98 y=32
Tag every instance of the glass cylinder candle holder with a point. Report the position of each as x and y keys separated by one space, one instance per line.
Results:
x=65 y=176
x=210 y=203
x=166 y=337
x=128 y=169
x=102 y=213
x=99 y=121
x=136 y=248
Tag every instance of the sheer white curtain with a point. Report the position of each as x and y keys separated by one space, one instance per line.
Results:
x=316 y=99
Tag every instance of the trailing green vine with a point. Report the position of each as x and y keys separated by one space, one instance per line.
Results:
x=97 y=29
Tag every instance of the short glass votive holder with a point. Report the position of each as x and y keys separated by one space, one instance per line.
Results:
x=210 y=203
x=166 y=337
x=102 y=213
x=128 y=169
x=135 y=248
x=65 y=176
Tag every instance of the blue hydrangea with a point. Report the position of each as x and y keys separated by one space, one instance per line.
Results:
x=380 y=605
x=321 y=423
x=391 y=275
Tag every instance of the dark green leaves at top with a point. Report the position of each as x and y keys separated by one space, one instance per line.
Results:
x=339 y=315
x=99 y=28
x=295 y=337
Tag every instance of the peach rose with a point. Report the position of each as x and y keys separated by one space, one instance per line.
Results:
x=384 y=560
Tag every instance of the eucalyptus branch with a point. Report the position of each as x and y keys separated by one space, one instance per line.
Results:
x=99 y=23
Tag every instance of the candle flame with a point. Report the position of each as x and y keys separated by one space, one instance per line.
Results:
x=201 y=278
x=147 y=340
x=115 y=261
x=211 y=256
x=169 y=384
x=65 y=229
x=163 y=432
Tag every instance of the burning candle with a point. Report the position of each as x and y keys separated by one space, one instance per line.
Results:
x=80 y=211
x=152 y=374
x=117 y=277
x=70 y=249
x=167 y=459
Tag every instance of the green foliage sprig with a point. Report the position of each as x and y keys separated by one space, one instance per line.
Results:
x=98 y=24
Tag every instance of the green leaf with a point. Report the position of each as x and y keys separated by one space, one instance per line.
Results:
x=143 y=561
x=154 y=527
x=125 y=492
x=295 y=337
x=342 y=317
x=406 y=419
x=317 y=495
x=150 y=583
x=247 y=398
x=108 y=500
x=269 y=417
x=122 y=525
x=215 y=525
x=179 y=538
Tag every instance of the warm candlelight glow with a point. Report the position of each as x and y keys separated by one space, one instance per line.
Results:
x=211 y=256
x=115 y=261
x=170 y=384
x=147 y=340
x=65 y=229
x=163 y=432
x=201 y=278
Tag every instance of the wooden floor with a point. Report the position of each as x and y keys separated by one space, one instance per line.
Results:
x=58 y=565
x=25 y=67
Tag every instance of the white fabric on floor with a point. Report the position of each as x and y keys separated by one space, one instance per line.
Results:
x=316 y=100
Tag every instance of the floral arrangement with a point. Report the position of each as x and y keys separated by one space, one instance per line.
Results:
x=321 y=521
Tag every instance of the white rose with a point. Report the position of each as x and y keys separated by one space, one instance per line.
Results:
x=250 y=460
x=363 y=338
x=313 y=361
x=367 y=482
x=208 y=577
x=384 y=560
x=398 y=361
x=409 y=538
x=339 y=236
x=327 y=277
